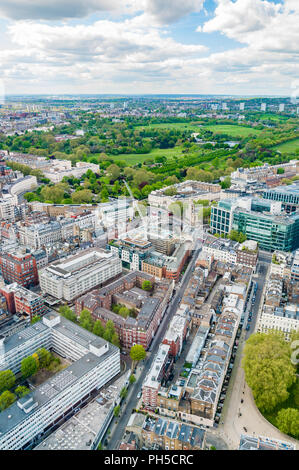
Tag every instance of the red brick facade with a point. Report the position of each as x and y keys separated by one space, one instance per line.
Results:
x=19 y=268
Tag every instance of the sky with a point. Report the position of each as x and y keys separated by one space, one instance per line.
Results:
x=230 y=47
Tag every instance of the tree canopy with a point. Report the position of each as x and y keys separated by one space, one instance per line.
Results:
x=146 y=285
x=21 y=391
x=86 y=320
x=66 y=312
x=7 y=380
x=288 y=421
x=6 y=399
x=28 y=366
x=137 y=352
x=268 y=369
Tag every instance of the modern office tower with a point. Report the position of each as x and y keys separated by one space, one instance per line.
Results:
x=272 y=232
x=288 y=195
x=259 y=221
x=242 y=106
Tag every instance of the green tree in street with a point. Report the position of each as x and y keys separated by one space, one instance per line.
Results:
x=132 y=379
x=115 y=340
x=66 y=312
x=137 y=353
x=116 y=411
x=7 y=380
x=123 y=392
x=98 y=328
x=35 y=319
x=109 y=331
x=86 y=320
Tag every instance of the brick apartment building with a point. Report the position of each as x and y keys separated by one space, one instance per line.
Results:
x=126 y=291
x=23 y=301
x=20 y=268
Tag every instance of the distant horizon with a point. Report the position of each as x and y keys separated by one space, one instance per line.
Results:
x=147 y=94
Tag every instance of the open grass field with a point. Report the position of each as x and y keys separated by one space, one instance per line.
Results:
x=133 y=158
x=175 y=125
x=233 y=131
x=273 y=117
x=288 y=147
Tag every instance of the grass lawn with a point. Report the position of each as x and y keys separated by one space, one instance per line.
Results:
x=273 y=117
x=182 y=126
x=288 y=147
x=233 y=131
x=133 y=158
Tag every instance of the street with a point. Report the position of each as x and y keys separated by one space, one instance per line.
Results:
x=131 y=400
x=237 y=415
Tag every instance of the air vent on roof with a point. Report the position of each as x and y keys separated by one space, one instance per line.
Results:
x=9 y=416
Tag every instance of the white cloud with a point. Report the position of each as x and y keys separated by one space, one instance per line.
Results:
x=260 y=24
x=161 y=11
x=54 y=9
x=106 y=39
x=104 y=52
x=269 y=34
x=168 y=12
x=137 y=55
x=236 y=19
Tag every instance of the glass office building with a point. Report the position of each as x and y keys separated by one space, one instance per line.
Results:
x=288 y=195
x=256 y=219
x=221 y=217
x=272 y=232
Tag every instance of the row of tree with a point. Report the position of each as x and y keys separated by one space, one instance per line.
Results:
x=86 y=321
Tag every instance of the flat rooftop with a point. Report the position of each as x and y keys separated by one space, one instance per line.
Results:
x=82 y=429
x=263 y=443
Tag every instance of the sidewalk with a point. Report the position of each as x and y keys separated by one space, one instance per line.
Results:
x=114 y=423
